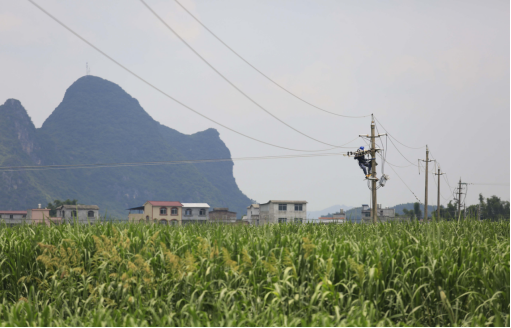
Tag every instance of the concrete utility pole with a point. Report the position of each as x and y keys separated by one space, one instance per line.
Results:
x=374 y=179
x=438 y=196
x=459 y=198
x=426 y=189
x=373 y=174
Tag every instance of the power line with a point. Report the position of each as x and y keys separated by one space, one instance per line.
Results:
x=257 y=70
x=227 y=80
x=196 y=161
x=398 y=176
x=395 y=138
x=164 y=93
x=489 y=184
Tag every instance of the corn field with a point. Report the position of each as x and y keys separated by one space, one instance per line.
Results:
x=120 y=274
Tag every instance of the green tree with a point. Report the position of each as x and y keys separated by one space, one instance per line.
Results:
x=417 y=210
x=56 y=203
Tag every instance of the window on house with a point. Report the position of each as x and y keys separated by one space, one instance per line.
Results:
x=90 y=214
x=24 y=215
x=282 y=220
x=202 y=211
x=11 y=216
x=73 y=214
x=163 y=221
x=174 y=222
x=63 y=213
x=147 y=218
x=367 y=215
x=188 y=211
x=174 y=211
x=298 y=207
x=282 y=207
x=163 y=211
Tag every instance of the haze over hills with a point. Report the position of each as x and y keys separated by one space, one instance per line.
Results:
x=332 y=209
x=98 y=122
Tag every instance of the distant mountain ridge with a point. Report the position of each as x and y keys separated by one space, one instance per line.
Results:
x=329 y=210
x=355 y=214
x=98 y=122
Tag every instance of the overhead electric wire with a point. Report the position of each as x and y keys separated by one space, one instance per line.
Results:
x=229 y=81
x=395 y=138
x=489 y=184
x=166 y=94
x=436 y=184
x=257 y=70
x=196 y=161
x=400 y=179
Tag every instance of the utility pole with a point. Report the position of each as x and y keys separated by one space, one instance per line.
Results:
x=373 y=174
x=460 y=189
x=438 y=196
x=426 y=188
x=373 y=178
x=459 y=198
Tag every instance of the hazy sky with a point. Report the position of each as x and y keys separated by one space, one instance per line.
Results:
x=432 y=72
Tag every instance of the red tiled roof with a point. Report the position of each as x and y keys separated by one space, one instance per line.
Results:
x=170 y=204
x=13 y=212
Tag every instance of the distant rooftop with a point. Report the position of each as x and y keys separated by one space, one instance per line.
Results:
x=78 y=207
x=170 y=204
x=13 y=212
x=201 y=205
x=287 y=201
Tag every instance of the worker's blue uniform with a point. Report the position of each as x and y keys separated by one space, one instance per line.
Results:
x=364 y=164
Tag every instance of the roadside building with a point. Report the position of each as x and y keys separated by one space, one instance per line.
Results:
x=252 y=216
x=222 y=215
x=283 y=211
x=335 y=218
x=158 y=212
x=195 y=213
x=31 y=216
x=41 y=216
x=13 y=217
x=384 y=214
x=78 y=213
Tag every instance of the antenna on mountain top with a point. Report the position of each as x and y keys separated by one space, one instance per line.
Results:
x=87 y=69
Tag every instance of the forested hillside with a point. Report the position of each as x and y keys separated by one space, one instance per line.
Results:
x=98 y=122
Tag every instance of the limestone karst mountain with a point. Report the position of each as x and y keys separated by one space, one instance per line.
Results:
x=98 y=122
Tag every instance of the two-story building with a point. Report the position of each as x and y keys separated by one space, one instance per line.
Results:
x=78 y=213
x=195 y=213
x=159 y=212
x=252 y=216
x=283 y=211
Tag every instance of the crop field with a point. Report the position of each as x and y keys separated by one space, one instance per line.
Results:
x=446 y=274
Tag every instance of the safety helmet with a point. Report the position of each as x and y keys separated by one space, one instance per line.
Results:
x=361 y=148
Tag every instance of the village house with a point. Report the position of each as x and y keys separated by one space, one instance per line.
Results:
x=384 y=214
x=32 y=216
x=159 y=212
x=222 y=215
x=252 y=216
x=283 y=211
x=195 y=213
x=79 y=213
x=335 y=218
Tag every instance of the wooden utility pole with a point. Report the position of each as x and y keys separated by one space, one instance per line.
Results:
x=426 y=188
x=438 y=196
